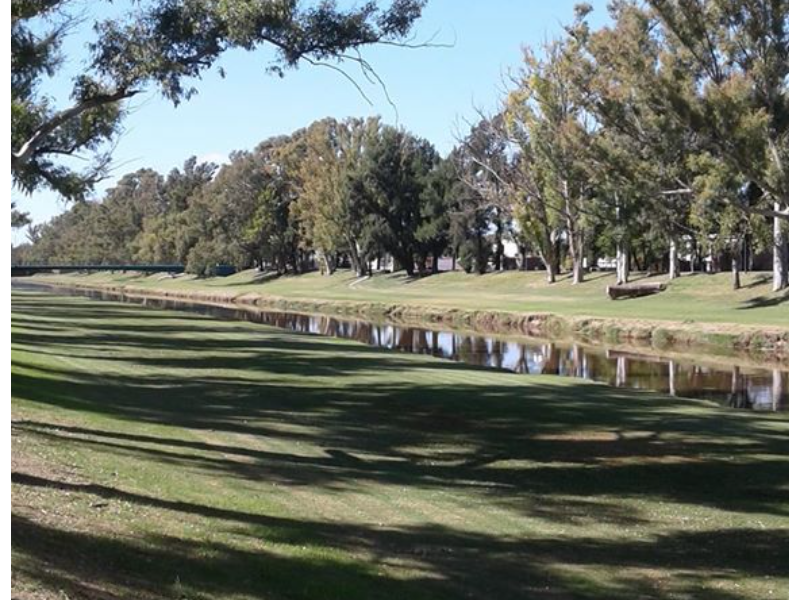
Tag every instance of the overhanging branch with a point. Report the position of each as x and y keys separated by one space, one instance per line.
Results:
x=29 y=148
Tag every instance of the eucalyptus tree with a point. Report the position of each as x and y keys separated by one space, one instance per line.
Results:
x=550 y=124
x=220 y=213
x=735 y=56
x=641 y=152
x=272 y=229
x=164 y=236
x=332 y=206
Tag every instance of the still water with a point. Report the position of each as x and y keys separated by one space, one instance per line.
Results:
x=735 y=386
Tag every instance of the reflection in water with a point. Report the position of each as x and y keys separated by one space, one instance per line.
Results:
x=734 y=386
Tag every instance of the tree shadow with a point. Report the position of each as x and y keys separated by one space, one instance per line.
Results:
x=764 y=301
x=758 y=280
x=565 y=454
x=448 y=562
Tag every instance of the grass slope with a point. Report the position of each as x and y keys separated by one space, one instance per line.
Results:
x=700 y=298
x=161 y=454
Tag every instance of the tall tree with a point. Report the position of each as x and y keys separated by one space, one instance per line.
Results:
x=273 y=229
x=332 y=206
x=397 y=168
x=164 y=236
x=439 y=200
x=549 y=117
x=736 y=53
x=485 y=169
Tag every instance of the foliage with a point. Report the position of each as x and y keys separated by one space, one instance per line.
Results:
x=166 y=44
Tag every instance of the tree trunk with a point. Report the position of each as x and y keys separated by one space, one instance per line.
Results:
x=551 y=272
x=499 y=253
x=693 y=255
x=576 y=249
x=636 y=262
x=551 y=258
x=328 y=263
x=421 y=266
x=674 y=260
x=623 y=267
x=735 y=279
x=435 y=264
x=408 y=264
x=780 y=251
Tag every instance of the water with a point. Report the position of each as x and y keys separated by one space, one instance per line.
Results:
x=736 y=386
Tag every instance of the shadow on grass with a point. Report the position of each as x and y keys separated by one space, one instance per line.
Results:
x=764 y=301
x=562 y=453
x=448 y=559
x=157 y=566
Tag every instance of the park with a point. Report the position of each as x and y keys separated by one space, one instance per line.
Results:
x=539 y=351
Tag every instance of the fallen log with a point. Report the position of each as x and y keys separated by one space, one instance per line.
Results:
x=634 y=291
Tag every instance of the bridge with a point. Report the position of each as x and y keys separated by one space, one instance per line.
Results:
x=28 y=270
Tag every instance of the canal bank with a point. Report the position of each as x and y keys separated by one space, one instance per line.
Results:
x=629 y=322
x=735 y=380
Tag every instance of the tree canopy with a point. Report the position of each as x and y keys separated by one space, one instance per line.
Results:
x=166 y=45
x=660 y=140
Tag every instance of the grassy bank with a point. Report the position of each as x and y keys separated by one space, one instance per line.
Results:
x=162 y=454
x=697 y=311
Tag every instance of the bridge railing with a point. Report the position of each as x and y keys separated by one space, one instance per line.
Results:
x=22 y=270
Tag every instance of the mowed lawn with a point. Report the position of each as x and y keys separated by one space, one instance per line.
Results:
x=168 y=455
x=700 y=298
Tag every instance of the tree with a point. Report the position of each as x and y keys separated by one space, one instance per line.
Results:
x=163 y=236
x=220 y=213
x=638 y=152
x=736 y=54
x=470 y=224
x=397 y=168
x=332 y=206
x=485 y=168
x=555 y=132
x=165 y=44
x=272 y=229
x=724 y=226
x=439 y=200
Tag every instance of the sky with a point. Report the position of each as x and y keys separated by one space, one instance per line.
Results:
x=436 y=90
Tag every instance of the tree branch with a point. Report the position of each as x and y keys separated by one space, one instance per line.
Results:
x=27 y=150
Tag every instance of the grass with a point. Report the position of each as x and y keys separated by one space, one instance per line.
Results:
x=697 y=298
x=168 y=455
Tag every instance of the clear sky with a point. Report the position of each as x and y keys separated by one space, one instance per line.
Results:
x=435 y=90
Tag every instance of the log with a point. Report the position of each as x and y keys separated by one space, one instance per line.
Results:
x=635 y=290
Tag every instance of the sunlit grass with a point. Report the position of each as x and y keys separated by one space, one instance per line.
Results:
x=163 y=454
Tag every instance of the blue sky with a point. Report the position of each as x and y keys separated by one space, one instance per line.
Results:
x=435 y=90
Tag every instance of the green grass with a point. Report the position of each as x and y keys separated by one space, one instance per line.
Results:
x=700 y=298
x=168 y=455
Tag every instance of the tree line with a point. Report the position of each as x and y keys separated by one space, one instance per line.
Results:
x=659 y=137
